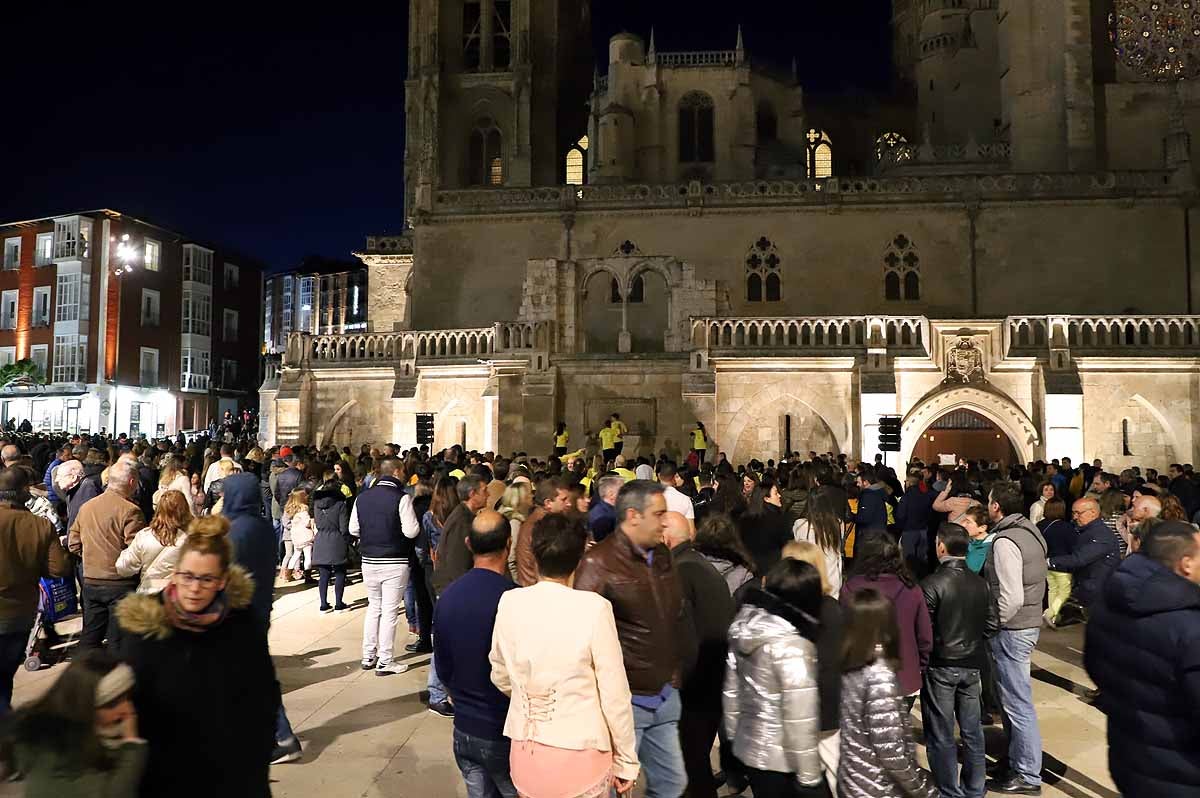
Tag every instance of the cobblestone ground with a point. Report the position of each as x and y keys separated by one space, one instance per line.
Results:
x=368 y=737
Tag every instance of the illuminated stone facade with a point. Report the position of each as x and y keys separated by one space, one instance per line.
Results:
x=1036 y=241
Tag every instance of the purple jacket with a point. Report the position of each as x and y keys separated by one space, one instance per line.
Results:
x=912 y=616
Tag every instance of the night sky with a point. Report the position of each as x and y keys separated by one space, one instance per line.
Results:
x=280 y=133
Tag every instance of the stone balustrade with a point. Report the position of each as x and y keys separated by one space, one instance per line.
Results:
x=697 y=58
x=847 y=190
x=834 y=333
x=1131 y=334
x=409 y=347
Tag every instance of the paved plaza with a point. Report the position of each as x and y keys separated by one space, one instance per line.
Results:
x=366 y=736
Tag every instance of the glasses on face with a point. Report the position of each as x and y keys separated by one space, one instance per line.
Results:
x=188 y=579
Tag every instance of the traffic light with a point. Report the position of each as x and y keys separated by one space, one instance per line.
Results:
x=424 y=429
x=889 y=434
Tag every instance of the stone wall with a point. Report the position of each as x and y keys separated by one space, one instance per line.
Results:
x=1150 y=415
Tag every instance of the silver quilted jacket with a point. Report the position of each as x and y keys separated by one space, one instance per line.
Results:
x=771 y=704
x=878 y=755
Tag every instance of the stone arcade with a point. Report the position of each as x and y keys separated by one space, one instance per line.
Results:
x=685 y=238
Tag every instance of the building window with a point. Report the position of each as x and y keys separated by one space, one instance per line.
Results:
x=70 y=358
x=44 y=253
x=637 y=290
x=501 y=38
x=197 y=313
x=228 y=373
x=149 y=368
x=901 y=270
x=197 y=264
x=194 y=369
x=150 y=307
x=153 y=255
x=576 y=163
x=614 y=292
x=472 y=33
x=764 y=283
x=8 y=309
x=766 y=123
x=229 y=330
x=8 y=355
x=288 y=297
x=39 y=354
x=892 y=148
x=41 y=306
x=697 y=143
x=820 y=154
x=72 y=237
x=304 y=319
x=1125 y=450
x=12 y=254
x=232 y=277
x=268 y=339
x=485 y=154
x=72 y=295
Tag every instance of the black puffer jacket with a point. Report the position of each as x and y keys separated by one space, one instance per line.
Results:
x=331 y=511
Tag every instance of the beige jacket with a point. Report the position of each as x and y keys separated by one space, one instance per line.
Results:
x=565 y=673
x=150 y=560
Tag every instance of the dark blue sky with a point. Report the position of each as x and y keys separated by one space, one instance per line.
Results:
x=282 y=133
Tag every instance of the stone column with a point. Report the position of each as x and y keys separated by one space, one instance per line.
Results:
x=540 y=393
x=876 y=397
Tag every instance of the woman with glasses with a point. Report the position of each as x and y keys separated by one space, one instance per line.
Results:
x=206 y=693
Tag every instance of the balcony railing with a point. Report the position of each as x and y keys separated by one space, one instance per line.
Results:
x=1147 y=335
x=836 y=333
x=193 y=382
x=414 y=346
x=698 y=58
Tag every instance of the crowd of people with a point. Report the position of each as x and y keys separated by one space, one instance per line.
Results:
x=597 y=618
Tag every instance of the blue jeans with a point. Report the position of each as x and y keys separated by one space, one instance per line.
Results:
x=283 y=727
x=1012 y=651
x=437 y=690
x=947 y=694
x=12 y=654
x=484 y=766
x=410 y=604
x=658 y=748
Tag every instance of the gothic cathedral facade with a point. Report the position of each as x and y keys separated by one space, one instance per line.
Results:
x=1002 y=247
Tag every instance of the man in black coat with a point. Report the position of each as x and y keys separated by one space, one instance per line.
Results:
x=1143 y=651
x=1097 y=552
x=708 y=610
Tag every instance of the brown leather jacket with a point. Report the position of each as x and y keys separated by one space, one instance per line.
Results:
x=527 y=570
x=648 y=606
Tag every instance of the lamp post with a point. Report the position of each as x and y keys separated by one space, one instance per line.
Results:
x=125 y=257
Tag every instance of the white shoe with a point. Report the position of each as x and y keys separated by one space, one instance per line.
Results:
x=388 y=668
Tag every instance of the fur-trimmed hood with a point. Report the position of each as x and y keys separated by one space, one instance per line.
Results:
x=143 y=614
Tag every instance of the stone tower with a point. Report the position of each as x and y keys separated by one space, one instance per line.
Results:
x=496 y=93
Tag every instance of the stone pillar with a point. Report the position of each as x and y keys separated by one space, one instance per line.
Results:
x=540 y=393
x=404 y=409
x=1032 y=36
x=700 y=400
x=387 y=291
x=1063 y=433
x=876 y=397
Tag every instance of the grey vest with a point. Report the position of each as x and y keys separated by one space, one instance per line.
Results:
x=1021 y=531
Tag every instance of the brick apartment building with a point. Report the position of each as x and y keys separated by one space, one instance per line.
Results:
x=320 y=296
x=137 y=328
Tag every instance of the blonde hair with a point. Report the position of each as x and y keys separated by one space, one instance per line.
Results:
x=226 y=468
x=514 y=496
x=209 y=536
x=810 y=553
x=297 y=501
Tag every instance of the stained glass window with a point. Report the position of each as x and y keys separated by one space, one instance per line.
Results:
x=697 y=141
x=893 y=148
x=1157 y=39
x=820 y=154
x=485 y=156
x=575 y=162
x=764 y=280
x=901 y=270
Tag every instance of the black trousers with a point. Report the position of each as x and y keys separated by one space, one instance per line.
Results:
x=772 y=784
x=99 y=617
x=422 y=582
x=698 y=725
x=338 y=572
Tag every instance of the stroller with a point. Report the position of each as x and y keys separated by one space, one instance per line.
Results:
x=56 y=600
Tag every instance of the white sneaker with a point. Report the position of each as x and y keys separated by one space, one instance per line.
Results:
x=388 y=668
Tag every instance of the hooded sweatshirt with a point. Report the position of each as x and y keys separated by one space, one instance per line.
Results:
x=912 y=617
x=253 y=539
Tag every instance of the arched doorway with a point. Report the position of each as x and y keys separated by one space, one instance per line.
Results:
x=1008 y=417
x=964 y=434
x=601 y=309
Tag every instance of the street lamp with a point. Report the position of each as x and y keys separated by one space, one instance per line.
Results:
x=125 y=256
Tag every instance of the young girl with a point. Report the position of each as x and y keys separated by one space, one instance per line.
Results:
x=302 y=530
x=878 y=755
x=81 y=738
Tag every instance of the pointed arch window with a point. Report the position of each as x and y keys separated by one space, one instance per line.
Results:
x=614 y=288
x=485 y=166
x=892 y=148
x=697 y=119
x=901 y=270
x=764 y=279
x=501 y=37
x=472 y=33
x=637 y=290
x=577 y=163
x=820 y=154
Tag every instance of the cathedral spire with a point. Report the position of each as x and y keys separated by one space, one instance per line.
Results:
x=651 y=56
x=741 y=48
